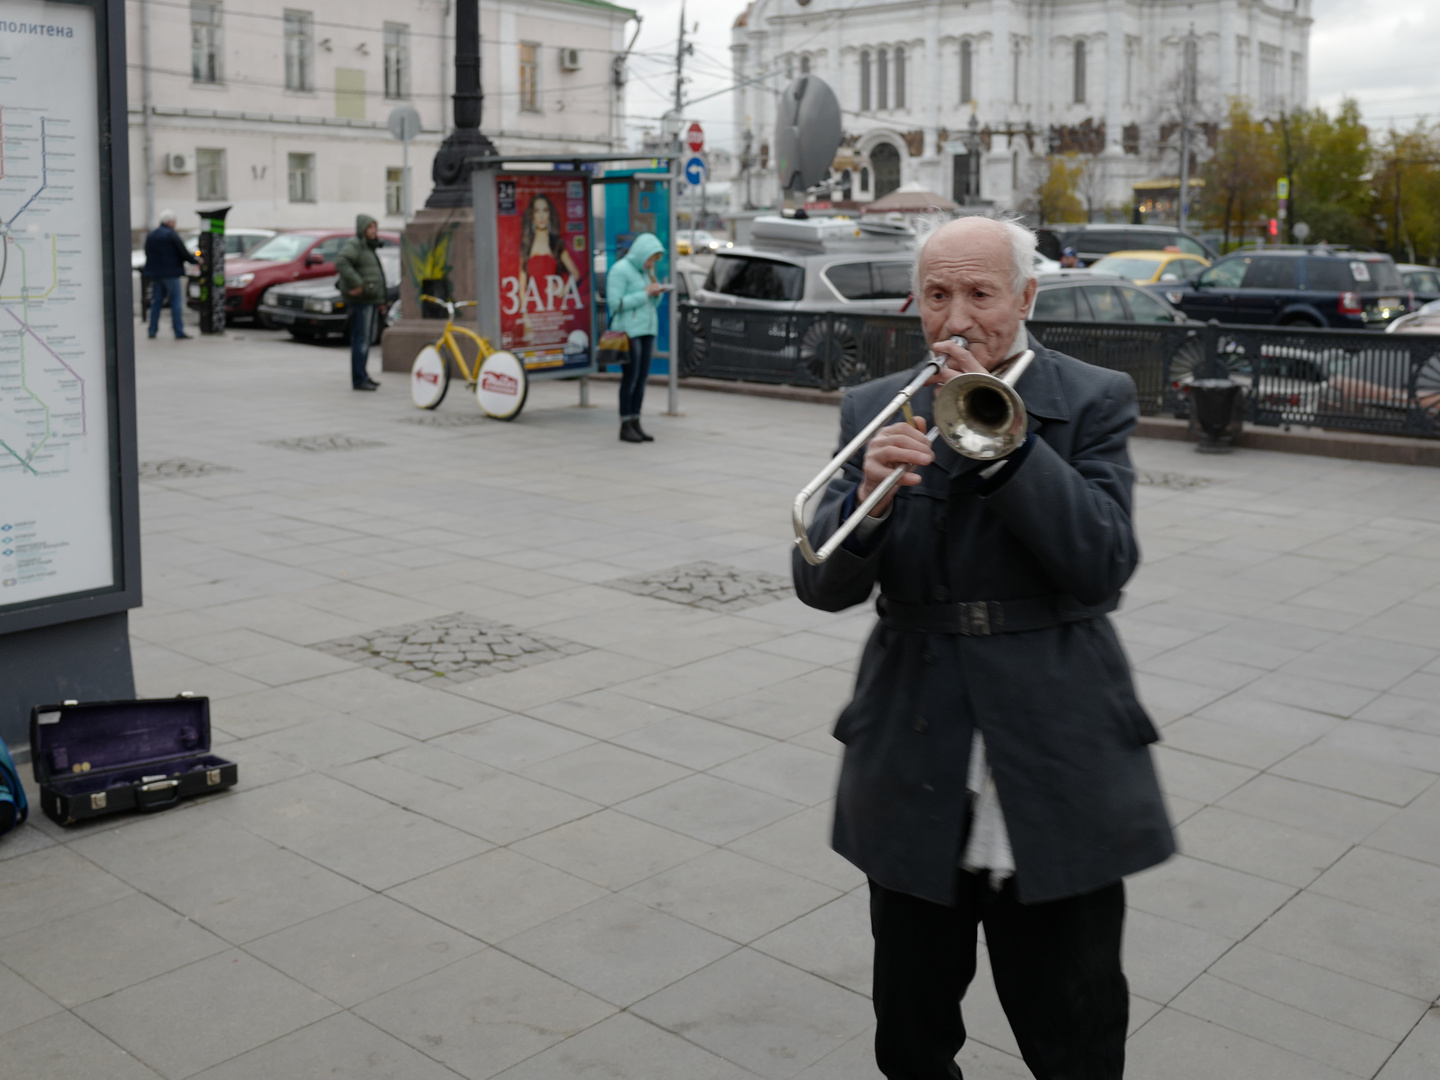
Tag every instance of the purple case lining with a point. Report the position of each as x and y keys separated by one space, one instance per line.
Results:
x=111 y=735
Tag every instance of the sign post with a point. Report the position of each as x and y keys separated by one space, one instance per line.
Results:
x=404 y=124
x=69 y=490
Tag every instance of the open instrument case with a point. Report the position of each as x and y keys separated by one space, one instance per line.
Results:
x=105 y=757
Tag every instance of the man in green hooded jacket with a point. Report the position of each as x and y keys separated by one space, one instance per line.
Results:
x=362 y=284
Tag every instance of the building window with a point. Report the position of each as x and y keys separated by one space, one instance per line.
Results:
x=1079 y=73
x=529 y=76
x=865 y=80
x=967 y=72
x=397 y=60
x=864 y=178
x=302 y=177
x=804 y=65
x=882 y=79
x=210 y=175
x=394 y=192
x=790 y=67
x=1189 y=77
x=1297 y=80
x=1269 y=78
x=1129 y=70
x=886 y=160
x=299 y=50
x=899 y=77
x=206 y=42
x=1015 y=73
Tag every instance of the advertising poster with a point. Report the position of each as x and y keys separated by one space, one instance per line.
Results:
x=543 y=244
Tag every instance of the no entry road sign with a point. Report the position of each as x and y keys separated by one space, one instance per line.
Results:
x=695 y=137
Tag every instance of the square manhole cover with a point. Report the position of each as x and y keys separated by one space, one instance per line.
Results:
x=179 y=469
x=319 y=444
x=457 y=647
x=708 y=585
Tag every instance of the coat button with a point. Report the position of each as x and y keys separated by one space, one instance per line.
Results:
x=940 y=522
x=928 y=656
x=940 y=594
x=921 y=724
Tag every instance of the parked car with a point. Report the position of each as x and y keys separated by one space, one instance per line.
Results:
x=1148 y=267
x=1424 y=321
x=314 y=309
x=1297 y=286
x=1085 y=296
x=1423 y=281
x=1094 y=241
x=703 y=242
x=813 y=265
x=290 y=256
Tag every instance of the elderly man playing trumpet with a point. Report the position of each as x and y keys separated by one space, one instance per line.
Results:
x=996 y=764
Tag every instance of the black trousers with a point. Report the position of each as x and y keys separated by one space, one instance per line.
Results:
x=1057 y=972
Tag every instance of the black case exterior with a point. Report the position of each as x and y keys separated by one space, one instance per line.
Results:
x=132 y=770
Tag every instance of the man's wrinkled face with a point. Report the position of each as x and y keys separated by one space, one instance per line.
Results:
x=372 y=231
x=966 y=289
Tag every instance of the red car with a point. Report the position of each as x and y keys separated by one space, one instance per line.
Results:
x=290 y=256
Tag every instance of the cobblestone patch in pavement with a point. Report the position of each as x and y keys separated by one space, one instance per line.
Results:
x=458 y=648
x=179 y=469
x=708 y=585
x=1173 y=480
x=445 y=420
x=319 y=444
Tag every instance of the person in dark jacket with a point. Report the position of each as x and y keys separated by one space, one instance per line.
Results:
x=996 y=766
x=165 y=259
x=362 y=283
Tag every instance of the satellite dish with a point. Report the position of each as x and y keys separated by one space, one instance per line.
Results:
x=807 y=132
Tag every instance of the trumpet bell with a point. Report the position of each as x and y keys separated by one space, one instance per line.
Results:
x=980 y=416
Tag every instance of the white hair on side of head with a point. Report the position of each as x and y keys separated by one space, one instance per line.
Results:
x=167 y=217
x=1022 y=245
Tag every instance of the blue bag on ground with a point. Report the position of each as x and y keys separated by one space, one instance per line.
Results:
x=13 y=807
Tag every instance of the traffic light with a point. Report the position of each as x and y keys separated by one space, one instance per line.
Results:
x=1274 y=227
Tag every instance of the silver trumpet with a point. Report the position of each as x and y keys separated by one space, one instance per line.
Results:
x=979 y=415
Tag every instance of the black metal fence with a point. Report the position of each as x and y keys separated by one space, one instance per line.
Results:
x=1354 y=380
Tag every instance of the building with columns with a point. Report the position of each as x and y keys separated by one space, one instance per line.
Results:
x=281 y=111
x=1115 y=81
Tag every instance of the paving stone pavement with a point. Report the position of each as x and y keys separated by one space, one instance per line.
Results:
x=614 y=863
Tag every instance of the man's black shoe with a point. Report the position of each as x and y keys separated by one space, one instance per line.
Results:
x=629 y=432
x=182 y=337
x=368 y=384
x=641 y=432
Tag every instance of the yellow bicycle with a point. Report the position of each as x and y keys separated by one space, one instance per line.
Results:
x=497 y=377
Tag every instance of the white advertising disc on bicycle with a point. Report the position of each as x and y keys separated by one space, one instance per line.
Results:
x=429 y=378
x=502 y=387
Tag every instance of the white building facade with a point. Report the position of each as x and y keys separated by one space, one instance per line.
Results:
x=1106 y=79
x=281 y=111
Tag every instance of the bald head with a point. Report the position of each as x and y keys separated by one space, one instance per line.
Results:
x=975 y=277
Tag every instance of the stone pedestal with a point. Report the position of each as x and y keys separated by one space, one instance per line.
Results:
x=437 y=252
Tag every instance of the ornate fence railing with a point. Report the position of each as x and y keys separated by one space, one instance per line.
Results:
x=1353 y=380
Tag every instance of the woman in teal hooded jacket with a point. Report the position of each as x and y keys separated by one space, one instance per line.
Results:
x=633 y=297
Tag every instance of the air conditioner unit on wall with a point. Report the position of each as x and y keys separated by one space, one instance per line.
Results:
x=179 y=164
x=569 y=59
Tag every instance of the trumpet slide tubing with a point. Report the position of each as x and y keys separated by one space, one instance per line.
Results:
x=994 y=442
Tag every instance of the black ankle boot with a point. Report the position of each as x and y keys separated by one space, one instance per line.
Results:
x=629 y=433
x=641 y=431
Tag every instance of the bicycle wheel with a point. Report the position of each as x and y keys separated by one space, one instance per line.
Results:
x=502 y=386
x=429 y=378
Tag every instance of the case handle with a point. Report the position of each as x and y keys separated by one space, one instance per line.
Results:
x=149 y=797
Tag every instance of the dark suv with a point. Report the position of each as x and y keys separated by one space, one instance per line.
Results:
x=1296 y=286
x=1092 y=242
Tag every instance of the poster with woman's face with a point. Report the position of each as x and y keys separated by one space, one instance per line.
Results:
x=542 y=233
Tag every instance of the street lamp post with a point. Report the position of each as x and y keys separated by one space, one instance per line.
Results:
x=451 y=174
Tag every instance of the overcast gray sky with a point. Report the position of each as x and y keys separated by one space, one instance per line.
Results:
x=1382 y=52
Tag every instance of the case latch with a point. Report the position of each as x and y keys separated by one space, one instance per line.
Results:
x=212 y=777
x=98 y=801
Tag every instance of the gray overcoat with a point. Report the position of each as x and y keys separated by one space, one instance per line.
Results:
x=1066 y=737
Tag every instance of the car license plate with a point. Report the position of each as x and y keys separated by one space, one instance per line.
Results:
x=1390 y=301
x=282 y=317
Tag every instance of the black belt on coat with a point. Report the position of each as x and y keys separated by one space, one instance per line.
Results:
x=981 y=618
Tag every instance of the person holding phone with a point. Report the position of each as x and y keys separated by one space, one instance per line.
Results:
x=633 y=297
